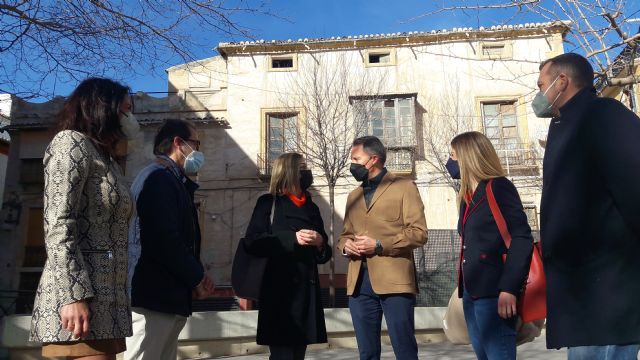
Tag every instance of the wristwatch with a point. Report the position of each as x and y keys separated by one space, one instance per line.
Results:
x=378 y=247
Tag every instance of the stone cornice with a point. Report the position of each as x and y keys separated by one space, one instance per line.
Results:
x=416 y=38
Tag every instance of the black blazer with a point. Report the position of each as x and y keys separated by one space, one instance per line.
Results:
x=481 y=269
x=290 y=306
x=590 y=218
x=169 y=267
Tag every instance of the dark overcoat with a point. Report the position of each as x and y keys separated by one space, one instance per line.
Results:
x=590 y=223
x=290 y=306
x=169 y=267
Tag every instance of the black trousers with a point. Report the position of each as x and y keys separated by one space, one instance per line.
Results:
x=293 y=352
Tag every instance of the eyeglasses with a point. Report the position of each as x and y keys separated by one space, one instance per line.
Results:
x=194 y=142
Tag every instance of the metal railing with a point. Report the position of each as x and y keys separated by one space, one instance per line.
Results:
x=520 y=161
x=264 y=164
x=400 y=160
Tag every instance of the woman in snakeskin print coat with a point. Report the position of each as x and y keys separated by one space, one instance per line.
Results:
x=81 y=306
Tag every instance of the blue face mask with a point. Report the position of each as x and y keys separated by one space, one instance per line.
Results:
x=192 y=162
x=453 y=168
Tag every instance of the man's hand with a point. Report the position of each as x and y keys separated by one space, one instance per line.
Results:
x=75 y=318
x=365 y=245
x=205 y=289
x=507 y=305
x=309 y=238
x=351 y=249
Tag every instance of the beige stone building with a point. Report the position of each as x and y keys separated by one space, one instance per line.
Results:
x=414 y=90
x=422 y=85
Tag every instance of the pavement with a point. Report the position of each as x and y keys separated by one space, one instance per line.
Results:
x=535 y=350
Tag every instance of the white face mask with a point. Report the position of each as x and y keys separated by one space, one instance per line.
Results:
x=130 y=126
x=542 y=107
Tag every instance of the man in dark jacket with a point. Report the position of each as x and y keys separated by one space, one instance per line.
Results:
x=168 y=272
x=590 y=214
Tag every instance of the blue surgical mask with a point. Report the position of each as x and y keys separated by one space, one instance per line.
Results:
x=542 y=107
x=453 y=168
x=192 y=162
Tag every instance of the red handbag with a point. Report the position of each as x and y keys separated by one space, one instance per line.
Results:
x=532 y=302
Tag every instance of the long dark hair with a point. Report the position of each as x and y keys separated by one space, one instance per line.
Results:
x=93 y=109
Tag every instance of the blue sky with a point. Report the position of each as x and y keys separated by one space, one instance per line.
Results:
x=324 y=18
x=307 y=19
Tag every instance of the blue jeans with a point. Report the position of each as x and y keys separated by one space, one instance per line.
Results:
x=367 y=308
x=606 y=352
x=492 y=337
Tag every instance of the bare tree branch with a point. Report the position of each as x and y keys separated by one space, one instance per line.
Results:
x=70 y=39
x=598 y=28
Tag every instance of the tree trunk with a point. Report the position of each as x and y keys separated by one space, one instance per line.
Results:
x=332 y=262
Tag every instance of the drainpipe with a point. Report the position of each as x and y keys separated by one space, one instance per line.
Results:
x=633 y=99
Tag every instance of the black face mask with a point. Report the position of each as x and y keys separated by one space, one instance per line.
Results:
x=306 y=179
x=359 y=172
x=453 y=168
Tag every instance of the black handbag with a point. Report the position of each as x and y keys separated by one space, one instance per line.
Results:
x=247 y=269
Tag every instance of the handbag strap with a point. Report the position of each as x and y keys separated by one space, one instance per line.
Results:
x=497 y=215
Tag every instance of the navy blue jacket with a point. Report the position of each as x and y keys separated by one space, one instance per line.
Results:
x=590 y=223
x=169 y=266
x=482 y=270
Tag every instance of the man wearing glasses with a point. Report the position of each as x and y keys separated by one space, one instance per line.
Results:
x=164 y=263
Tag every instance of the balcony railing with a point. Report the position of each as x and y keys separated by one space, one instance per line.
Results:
x=400 y=160
x=520 y=161
x=264 y=165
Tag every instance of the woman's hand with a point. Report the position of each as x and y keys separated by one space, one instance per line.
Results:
x=309 y=238
x=506 y=305
x=75 y=318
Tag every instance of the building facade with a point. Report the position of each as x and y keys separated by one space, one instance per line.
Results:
x=259 y=99
x=417 y=90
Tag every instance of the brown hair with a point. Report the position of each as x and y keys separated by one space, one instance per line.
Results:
x=575 y=66
x=93 y=109
x=478 y=161
x=168 y=131
x=285 y=174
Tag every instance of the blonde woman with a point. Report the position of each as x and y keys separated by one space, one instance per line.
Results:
x=488 y=284
x=291 y=314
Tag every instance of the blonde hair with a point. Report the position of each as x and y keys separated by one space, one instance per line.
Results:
x=285 y=174
x=477 y=159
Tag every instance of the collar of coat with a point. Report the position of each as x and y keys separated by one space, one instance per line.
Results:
x=387 y=180
x=577 y=102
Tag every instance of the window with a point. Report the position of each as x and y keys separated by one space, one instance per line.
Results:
x=282 y=134
x=391 y=120
x=34 y=250
x=32 y=171
x=501 y=125
x=380 y=57
x=283 y=63
x=496 y=50
x=35 y=256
